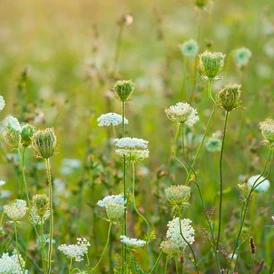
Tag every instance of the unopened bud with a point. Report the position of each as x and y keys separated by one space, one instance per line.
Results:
x=124 y=89
x=26 y=134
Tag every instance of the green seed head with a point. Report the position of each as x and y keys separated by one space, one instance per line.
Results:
x=211 y=64
x=26 y=134
x=41 y=204
x=228 y=98
x=124 y=89
x=44 y=143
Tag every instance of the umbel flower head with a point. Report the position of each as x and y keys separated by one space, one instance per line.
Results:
x=211 y=64
x=267 y=128
x=182 y=113
x=26 y=134
x=189 y=48
x=175 y=243
x=77 y=251
x=44 y=143
x=110 y=119
x=132 y=242
x=16 y=210
x=124 y=89
x=12 y=132
x=242 y=56
x=12 y=264
x=229 y=97
x=2 y=103
x=177 y=195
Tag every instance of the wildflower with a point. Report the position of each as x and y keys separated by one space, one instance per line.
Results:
x=190 y=48
x=213 y=144
x=211 y=64
x=40 y=209
x=114 y=199
x=26 y=134
x=12 y=132
x=2 y=103
x=44 y=143
x=16 y=210
x=182 y=113
x=132 y=242
x=124 y=89
x=173 y=233
x=110 y=119
x=178 y=194
x=131 y=143
x=267 y=128
x=13 y=264
x=75 y=251
x=262 y=184
x=228 y=98
x=133 y=155
x=2 y=183
x=242 y=56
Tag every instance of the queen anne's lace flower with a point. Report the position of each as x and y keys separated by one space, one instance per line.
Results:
x=131 y=143
x=110 y=119
x=12 y=122
x=2 y=102
x=13 y=264
x=75 y=251
x=262 y=187
x=16 y=210
x=182 y=113
x=114 y=199
x=132 y=242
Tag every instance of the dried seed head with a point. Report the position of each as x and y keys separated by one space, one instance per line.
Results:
x=124 y=89
x=26 y=134
x=44 y=143
x=228 y=98
x=211 y=64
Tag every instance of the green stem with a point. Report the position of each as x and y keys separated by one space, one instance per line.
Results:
x=184 y=76
x=189 y=245
x=210 y=82
x=105 y=248
x=51 y=214
x=167 y=258
x=118 y=46
x=42 y=248
x=221 y=191
x=176 y=265
x=70 y=265
x=156 y=263
x=245 y=206
x=123 y=119
x=201 y=144
x=17 y=250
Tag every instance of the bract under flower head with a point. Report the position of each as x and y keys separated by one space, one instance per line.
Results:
x=182 y=113
x=133 y=155
x=110 y=119
x=261 y=183
x=267 y=128
x=190 y=48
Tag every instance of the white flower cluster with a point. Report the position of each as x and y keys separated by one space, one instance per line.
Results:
x=112 y=199
x=261 y=182
x=12 y=122
x=182 y=113
x=110 y=119
x=13 y=264
x=131 y=143
x=132 y=242
x=175 y=242
x=190 y=48
x=75 y=251
x=2 y=102
x=16 y=210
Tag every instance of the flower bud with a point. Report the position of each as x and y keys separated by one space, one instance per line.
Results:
x=267 y=128
x=124 y=89
x=211 y=64
x=26 y=134
x=228 y=98
x=44 y=143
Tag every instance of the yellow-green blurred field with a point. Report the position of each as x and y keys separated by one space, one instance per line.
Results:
x=68 y=49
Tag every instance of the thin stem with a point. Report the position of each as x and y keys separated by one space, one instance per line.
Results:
x=192 y=251
x=167 y=258
x=118 y=46
x=16 y=247
x=156 y=263
x=245 y=206
x=70 y=265
x=176 y=265
x=210 y=82
x=184 y=75
x=105 y=248
x=51 y=214
x=221 y=190
x=201 y=144
x=179 y=125
x=123 y=119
